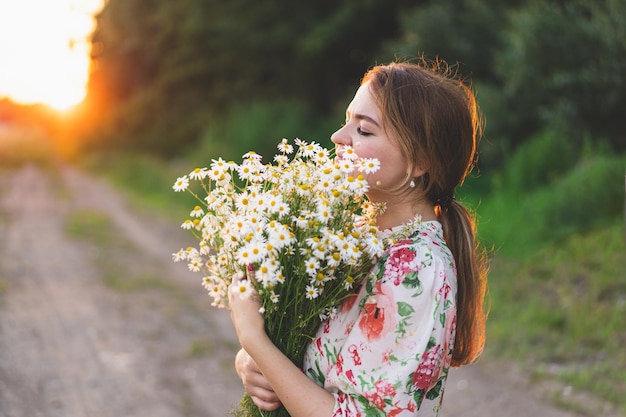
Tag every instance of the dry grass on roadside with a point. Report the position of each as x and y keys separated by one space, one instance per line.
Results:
x=120 y=262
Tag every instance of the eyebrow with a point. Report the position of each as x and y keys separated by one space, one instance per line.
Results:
x=359 y=116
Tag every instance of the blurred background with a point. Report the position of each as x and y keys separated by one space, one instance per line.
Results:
x=158 y=87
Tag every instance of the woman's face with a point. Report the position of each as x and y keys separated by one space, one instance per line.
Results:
x=364 y=131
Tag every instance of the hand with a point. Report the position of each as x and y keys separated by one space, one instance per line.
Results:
x=255 y=383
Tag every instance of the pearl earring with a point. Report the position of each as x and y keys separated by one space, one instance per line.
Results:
x=412 y=184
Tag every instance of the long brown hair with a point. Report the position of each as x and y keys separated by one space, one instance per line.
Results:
x=435 y=118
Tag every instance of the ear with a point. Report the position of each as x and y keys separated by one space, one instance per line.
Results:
x=419 y=171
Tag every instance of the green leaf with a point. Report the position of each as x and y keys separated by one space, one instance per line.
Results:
x=405 y=309
x=411 y=280
x=434 y=391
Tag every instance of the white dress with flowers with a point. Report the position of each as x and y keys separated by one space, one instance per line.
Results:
x=388 y=350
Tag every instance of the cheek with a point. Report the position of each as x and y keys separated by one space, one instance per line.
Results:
x=392 y=172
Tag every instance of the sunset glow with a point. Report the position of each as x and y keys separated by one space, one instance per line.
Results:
x=44 y=50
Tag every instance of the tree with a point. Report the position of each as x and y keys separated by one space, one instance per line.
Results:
x=165 y=70
x=466 y=32
x=564 y=63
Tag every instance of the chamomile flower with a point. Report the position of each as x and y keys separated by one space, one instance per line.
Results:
x=274 y=204
x=323 y=214
x=324 y=186
x=285 y=147
x=311 y=266
x=192 y=252
x=224 y=181
x=281 y=159
x=197 y=212
x=318 y=246
x=221 y=164
x=329 y=313
x=333 y=259
x=187 y=224
x=349 y=282
x=347 y=152
x=355 y=254
x=303 y=190
x=261 y=201
x=311 y=292
x=243 y=288
x=205 y=249
x=252 y=156
x=247 y=171
x=357 y=184
x=181 y=184
x=319 y=279
x=345 y=165
x=180 y=255
x=250 y=253
x=309 y=149
x=280 y=236
x=369 y=165
x=321 y=155
x=195 y=264
x=243 y=202
x=266 y=272
x=374 y=247
x=198 y=174
x=215 y=287
x=217 y=173
x=301 y=221
x=274 y=297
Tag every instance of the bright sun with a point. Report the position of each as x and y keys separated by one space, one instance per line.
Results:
x=44 y=50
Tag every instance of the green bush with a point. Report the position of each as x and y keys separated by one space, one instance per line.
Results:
x=590 y=196
x=540 y=161
x=516 y=220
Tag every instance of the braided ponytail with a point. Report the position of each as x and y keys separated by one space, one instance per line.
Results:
x=435 y=118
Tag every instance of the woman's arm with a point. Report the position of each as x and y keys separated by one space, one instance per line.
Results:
x=300 y=395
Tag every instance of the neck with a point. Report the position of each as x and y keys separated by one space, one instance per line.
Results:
x=396 y=215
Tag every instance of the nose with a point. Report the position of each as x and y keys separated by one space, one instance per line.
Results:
x=340 y=137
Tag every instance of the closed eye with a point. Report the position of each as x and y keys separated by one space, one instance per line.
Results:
x=362 y=132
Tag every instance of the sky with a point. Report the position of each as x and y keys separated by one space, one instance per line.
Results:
x=44 y=50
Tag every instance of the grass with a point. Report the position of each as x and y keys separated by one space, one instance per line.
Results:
x=113 y=253
x=145 y=180
x=91 y=224
x=561 y=310
x=200 y=349
x=3 y=286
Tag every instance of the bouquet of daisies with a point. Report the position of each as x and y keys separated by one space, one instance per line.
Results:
x=302 y=223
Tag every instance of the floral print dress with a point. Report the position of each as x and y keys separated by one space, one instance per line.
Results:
x=388 y=350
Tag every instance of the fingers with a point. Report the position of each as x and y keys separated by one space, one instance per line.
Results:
x=250 y=273
x=265 y=405
x=265 y=399
x=255 y=383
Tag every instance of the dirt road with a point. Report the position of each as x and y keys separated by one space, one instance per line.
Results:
x=115 y=329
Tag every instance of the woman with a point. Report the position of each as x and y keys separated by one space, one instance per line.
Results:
x=388 y=350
